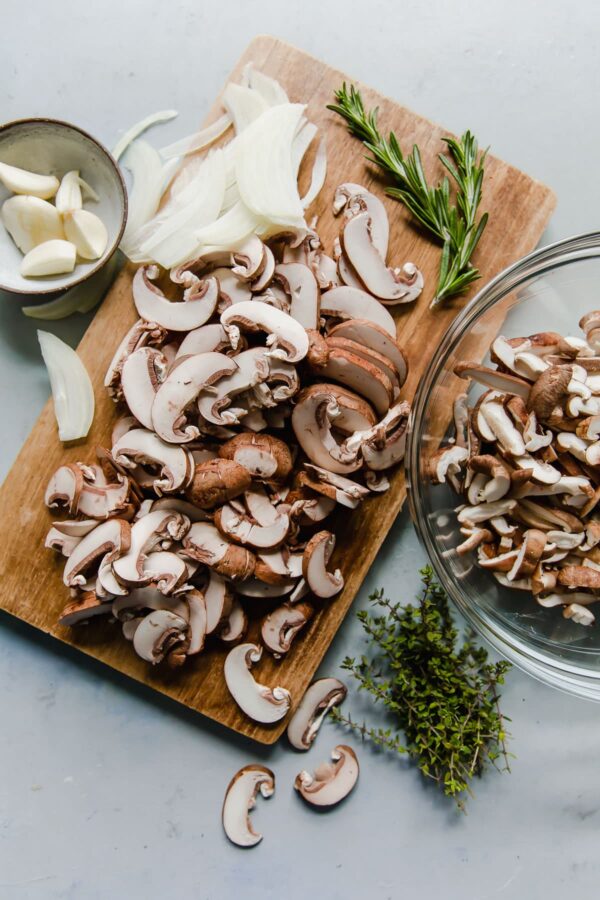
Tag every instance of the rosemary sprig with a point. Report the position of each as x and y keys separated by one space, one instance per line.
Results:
x=444 y=700
x=454 y=224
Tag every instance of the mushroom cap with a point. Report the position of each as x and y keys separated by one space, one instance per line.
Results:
x=240 y=798
x=217 y=481
x=257 y=701
x=580 y=577
x=261 y=455
x=322 y=695
x=330 y=783
x=549 y=391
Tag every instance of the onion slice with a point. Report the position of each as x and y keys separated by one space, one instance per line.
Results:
x=134 y=132
x=72 y=390
x=319 y=174
x=195 y=142
x=269 y=89
x=81 y=299
x=146 y=167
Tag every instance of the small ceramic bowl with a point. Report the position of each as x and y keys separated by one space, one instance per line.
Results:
x=51 y=147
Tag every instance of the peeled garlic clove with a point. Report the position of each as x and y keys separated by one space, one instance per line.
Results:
x=31 y=221
x=68 y=196
x=50 y=258
x=19 y=181
x=87 y=232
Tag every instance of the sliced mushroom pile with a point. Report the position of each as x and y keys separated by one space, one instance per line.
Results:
x=525 y=460
x=259 y=389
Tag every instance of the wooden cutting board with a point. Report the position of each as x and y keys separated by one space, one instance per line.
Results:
x=30 y=577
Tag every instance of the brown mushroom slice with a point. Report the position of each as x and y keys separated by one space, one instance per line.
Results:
x=371 y=356
x=83 y=608
x=300 y=284
x=571 y=443
x=579 y=577
x=272 y=568
x=581 y=615
x=197 y=622
x=205 y=543
x=314 y=566
x=386 y=284
x=545 y=517
x=218 y=599
x=198 y=305
x=331 y=782
x=140 y=334
x=499 y=481
x=122 y=426
x=353 y=199
x=319 y=408
x=473 y=515
x=108 y=538
x=263 y=456
x=240 y=798
x=320 y=697
x=383 y=445
x=143 y=447
x=246 y=261
x=259 y=702
x=215 y=405
x=206 y=339
x=503 y=562
x=331 y=484
x=190 y=510
x=231 y=287
x=499 y=422
x=474 y=537
x=217 y=481
x=282 y=625
x=361 y=376
x=243 y=530
x=235 y=624
x=64 y=487
x=262 y=590
x=351 y=303
x=166 y=570
x=157 y=633
x=445 y=461
x=75 y=528
x=147 y=597
x=550 y=391
x=158 y=529
x=179 y=390
x=287 y=339
x=141 y=376
x=491 y=378
x=529 y=555
x=375 y=338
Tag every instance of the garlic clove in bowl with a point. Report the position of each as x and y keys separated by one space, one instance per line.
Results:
x=20 y=181
x=31 y=221
x=87 y=232
x=50 y=258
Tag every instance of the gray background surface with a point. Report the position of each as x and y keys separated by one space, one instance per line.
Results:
x=107 y=791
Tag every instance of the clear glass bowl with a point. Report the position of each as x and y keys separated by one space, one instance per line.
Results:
x=547 y=291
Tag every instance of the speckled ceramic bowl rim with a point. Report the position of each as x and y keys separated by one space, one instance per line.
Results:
x=124 y=207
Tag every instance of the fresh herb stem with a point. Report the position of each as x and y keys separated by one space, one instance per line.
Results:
x=443 y=698
x=454 y=224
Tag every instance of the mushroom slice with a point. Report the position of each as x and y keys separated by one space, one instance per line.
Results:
x=473 y=515
x=179 y=390
x=499 y=481
x=198 y=621
x=389 y=285
x=354 y=199
x=206 y=339
x=158 y=529
x=240 y=798
x=320 y=697
x=314 y=566
x=550 y=391
x=262 y=455
x=281 y=626
x=446 y=461
x=217 y=481
x=243 y=530
x=351 y=303
x=190 y=510
x=498 y=381
x=166 y=570
x=263 y=590
x=140 y=334
x=142 y=446
x=218 y=599
x=75 y=528
x=300 y=284
x=581 y=615
x=64 y=487
x=375 y=338
x=318 y=409
x=331 y=782
x=252 y=369
x=141 y=376
x=259 y=702
x=205 y=543
x=383 y=445
x=235 y=624
x=108 y=538
x=83 y=608
x=287 y=339
x=371 y=356
x=330 y=484
x=361 y=376
x=199 y=301
x=579 y=577
x=147 y=597
x=231 y=287
x=529 y=555
x=157 y=634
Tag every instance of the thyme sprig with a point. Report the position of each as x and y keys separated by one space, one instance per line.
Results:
x=442 y=698
x=454 y=223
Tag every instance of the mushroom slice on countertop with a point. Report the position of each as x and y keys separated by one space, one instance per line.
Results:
x=157 y=634
x=243 y=530
x=205 y=543
x=287 y=338
x=198 y=622
x=331 y=782
x=111 y=537
x=166 y=570
x=262 y=455
x=252 y=369
x=157 y=529
x=206 y=339
x=280 y=627
x=318 y=409
x=388 y=285
x=218 y=599
x=354 y=199
x=359 y=375
x=320 y=697
x=82 y=608
x=240 y=798
x=375 y=338
x=371 y=356
x=140 y=334
x=351 y=303
x=300 y=284
x=142 y=446
x=199 y=301
x=314 y=566
x=217 y=481
x=180 y=388
x=64 y=487
x=259 y=702
x=235 y=624
x=141 y=376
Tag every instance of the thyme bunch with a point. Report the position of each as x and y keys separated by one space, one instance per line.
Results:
x=442 y=697
x=454 y=223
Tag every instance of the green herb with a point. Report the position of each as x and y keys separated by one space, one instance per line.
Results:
x=454 y=224
x=443 y=699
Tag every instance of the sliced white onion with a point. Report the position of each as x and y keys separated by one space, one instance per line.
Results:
x=229 y=230
x=146 y=167
x=269 y=89
x=195 y=142
x=81 y=299
x=72 y=390
x=243 y=105
x=319 y=174
x=134 y=132
x=302 y=141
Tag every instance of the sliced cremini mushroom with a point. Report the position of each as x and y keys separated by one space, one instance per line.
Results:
x=199 y=301
x=259 y=702
x=330 y=484
x=314 y=566
x=351 y=303
x=82 y=608
x=262 y=456
x=156 y=530
x=157 y=634
x=491 y=378
x=446 y=461
x=235 y=624
x=320 y=697
x=331 y=782
x=353 y=199
x=359 y=375
x=300 y=284
x=287 y=339
x=240 y=799
x=140 y=334
x=141 y=376
x=218 y=599
x=108 y=539
x=206 y=339
x=243 y=530
x=140 y=446
x=375 y=338
x=280 y=627
x=180 y=388
x=215 y=405
x=389 y=285
x=205 y=543
x=217 y=481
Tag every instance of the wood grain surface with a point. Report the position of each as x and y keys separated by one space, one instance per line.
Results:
x=31 y=582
